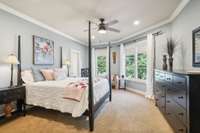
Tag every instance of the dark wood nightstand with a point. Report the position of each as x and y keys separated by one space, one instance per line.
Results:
x=16 y=93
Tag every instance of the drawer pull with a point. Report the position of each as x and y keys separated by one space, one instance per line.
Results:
x=168 y=101
x=168 y=78
x=181 y=114
x=181 y=130
x=163 y=96
x=180 y=82
x=181 y=97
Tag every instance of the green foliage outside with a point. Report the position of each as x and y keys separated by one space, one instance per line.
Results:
x=142 y=66
x=101 y=65
x=130 y=66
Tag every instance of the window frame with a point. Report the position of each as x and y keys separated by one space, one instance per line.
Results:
x=96 y=60
x=135 y=79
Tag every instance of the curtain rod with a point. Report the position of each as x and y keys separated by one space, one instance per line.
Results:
x=133 y=40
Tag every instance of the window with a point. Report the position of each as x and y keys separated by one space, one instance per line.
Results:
x=136 y=61
x=101 y=65
x=130 y=66
x=142 y=65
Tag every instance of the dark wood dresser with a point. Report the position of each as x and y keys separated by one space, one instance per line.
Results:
x=177 y=95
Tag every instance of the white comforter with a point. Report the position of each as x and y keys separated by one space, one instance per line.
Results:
x=49 y=94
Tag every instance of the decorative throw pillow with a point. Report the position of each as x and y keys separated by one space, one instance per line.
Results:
x=48 y=74
x=37 y=75
x=59 y=74
x=27 y=76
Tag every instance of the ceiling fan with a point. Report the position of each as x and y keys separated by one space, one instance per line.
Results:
x=103 y=27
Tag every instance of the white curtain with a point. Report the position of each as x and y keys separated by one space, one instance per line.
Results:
x=150 y=65
x=122 y=60
x=93 y=63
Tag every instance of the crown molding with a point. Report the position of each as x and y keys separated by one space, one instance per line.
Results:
x=36 y=22
x=171 y=18
x=176 y=12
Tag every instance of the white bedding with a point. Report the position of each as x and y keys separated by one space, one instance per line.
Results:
x=49 y=94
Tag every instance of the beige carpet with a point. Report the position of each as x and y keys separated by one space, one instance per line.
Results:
x=127 y=113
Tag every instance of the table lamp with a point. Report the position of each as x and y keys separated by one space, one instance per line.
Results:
x=67 y=63
x=12 y=59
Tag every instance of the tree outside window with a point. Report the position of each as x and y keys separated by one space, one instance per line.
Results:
x=130 y=66
x=101 y=65
x=142 y=65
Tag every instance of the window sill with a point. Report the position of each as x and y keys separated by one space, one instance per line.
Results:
x=137 y=80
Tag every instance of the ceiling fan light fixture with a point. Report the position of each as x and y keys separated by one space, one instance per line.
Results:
x=102 y=31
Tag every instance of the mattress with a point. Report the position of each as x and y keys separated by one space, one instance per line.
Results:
x=49 y=94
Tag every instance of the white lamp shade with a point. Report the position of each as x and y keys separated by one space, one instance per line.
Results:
x=12 y=59
x=67 y=62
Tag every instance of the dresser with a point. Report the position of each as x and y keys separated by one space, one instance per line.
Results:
x=177 y=95
x=16 y=93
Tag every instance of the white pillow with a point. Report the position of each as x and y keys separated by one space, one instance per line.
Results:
x=27 y=76
x=59 y=74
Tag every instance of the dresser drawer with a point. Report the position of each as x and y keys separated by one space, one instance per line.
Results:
x=175 y=109
x=12 y=95
x=176 y=124
x=180 y=97
x=179 y=82
x=169 y=78
x=160 y=101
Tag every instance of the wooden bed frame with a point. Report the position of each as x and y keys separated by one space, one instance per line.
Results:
x=92 y=108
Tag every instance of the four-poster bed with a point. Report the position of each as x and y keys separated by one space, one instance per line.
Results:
x=92 y=108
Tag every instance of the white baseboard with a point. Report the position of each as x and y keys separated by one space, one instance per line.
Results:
x=136 y=91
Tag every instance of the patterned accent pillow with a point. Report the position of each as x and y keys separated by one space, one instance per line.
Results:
x=27 y=76
x=37 y=75
x=59 y=74
x=48 y=74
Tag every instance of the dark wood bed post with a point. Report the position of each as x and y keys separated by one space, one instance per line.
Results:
x=91 y=111
x=19 y=78
x=61 y=59
x=109 y=69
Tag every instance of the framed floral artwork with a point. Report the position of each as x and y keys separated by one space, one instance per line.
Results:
x=43 y=51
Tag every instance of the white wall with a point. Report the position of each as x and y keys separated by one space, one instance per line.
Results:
x=182 y=27
x=12 y=26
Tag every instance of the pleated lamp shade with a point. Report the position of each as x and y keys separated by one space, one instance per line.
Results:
x=12 y=59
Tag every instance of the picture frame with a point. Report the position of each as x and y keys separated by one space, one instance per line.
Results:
x=43 y=51
x=196 y=47
x=114 y=57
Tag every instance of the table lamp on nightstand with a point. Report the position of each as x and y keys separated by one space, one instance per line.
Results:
x=67 y=63
x=12 y=59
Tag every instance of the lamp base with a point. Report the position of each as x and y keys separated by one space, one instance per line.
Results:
x=8 y=110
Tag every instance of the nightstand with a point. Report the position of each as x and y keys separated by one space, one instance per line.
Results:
x=15 y=93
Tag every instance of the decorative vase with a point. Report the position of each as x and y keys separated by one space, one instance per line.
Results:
x=8 y=110
x=164 y=62
x=170 y=63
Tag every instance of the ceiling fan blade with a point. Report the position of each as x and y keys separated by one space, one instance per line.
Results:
x=112 y=22
x=112 y=29
x=85 y=30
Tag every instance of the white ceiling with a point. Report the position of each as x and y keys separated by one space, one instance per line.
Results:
x=70 y=16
